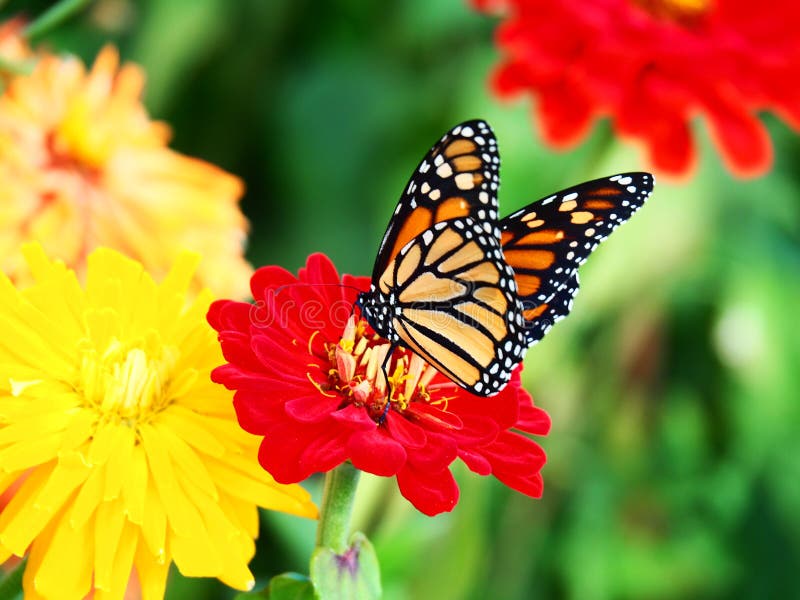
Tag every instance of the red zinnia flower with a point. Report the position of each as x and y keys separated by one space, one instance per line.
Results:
x=307 y=377
x=652 y=65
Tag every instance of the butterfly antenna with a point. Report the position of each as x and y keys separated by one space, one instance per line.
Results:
x=280 y=288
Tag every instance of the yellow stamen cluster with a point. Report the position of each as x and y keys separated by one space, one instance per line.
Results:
x=356 y=374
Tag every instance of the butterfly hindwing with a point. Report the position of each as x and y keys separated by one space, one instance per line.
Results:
x=453 y=301
x=457 y=178
x=546 y=242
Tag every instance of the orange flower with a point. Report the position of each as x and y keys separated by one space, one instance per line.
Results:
x=13 y=46
x=82 y=166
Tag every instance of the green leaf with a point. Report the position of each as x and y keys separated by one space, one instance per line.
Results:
x=353 y=575
x=291 y=586
x=286 y=586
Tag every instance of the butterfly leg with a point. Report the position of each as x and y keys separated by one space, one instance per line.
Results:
x=389 y=390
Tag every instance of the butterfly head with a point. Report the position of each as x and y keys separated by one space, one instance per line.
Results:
x=375 y=308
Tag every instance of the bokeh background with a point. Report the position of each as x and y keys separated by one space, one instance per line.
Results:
x=674 y=460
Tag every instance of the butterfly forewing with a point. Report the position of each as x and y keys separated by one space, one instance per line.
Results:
x=457 y=178
x=456 y=304
x=546 y=242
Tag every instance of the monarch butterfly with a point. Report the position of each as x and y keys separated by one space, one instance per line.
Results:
x=470 y=293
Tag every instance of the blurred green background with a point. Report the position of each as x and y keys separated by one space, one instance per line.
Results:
x=674 y=459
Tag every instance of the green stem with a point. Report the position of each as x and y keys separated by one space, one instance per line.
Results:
x=54 y=16
x=337 y=504
x=11 y=584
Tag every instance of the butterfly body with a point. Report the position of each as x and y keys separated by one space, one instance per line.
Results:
x=470 y=293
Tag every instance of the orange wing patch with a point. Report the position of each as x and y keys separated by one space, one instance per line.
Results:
x=448 y=240
x=545 y=236
x=429 y=288
x=468 y=162
x=485 y=272
x=492 y=297
x=489 y=319
x=408 y=264
x=605 y=191
x=530 y=259
x=532 y=313
x=527 y=284
x=452 y=208
x=418 y=221
x=445 y=360
x=459 y=147
x=598 y=205
x=466 y=255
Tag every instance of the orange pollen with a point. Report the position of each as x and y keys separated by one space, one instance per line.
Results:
x=683 y=12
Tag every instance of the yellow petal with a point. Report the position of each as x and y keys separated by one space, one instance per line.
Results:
x=152 y=573
x=119 y=460
x=109 y=523
x=30 y=452
x=19 y=520
x=88 y=498
x=134 y=486
x=185 y=459
x=154 y=524
x=37 y=424
x=182 y=515
x=64 y=569
x=291 y=499
x=192 y=430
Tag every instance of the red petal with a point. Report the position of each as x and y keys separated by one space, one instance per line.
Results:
x=269 y=278
x=320 y=269
x=565 y=113
x=530 y=485
x=313 y=408
x=514 y=452
x=533 y=419
x=354 y=418
x=375 y=452
x=283 y=360
x=437 y=454
x=476 y=462
x=236 y=350
x=432 y=417
x=477 y=431
x=326 y=451
x=256 y=413
x=430 y=492
x=405 y=432
x=281 y=449
x=741 y=138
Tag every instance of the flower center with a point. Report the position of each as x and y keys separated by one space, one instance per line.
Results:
x=86 y=140
x=356 y=374
x=129 y=381
x=684 y=12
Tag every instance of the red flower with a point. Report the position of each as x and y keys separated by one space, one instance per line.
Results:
x=307 y=377
x=653 y=65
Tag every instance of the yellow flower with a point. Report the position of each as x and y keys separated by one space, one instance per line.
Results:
x=130 y=456
x=83 y=166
